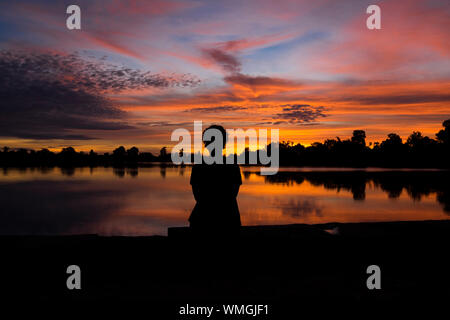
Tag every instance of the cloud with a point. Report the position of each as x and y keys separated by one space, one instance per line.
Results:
x=260 y=81
x=51 y=96
x=164 y=124
x=226 y=60
x=300 y=113
x=72 y=71
x=251 y=43
x=217 y=109
x=232 y=66
x=259 y=85
x=401 y=99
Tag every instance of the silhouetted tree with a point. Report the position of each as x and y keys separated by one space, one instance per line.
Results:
x=119 y=152
x=45 y=156
x=163 y=152
x=415 y=140
x=359 y=137
x=93 y=158
x=376 y=146
x=444 y=135
x=133 y=154
x=180 y=154
x=331 y=144
x=418 y=142
x=417 y=151
x=393 y=144
x=68 y=156
x=68 y=150
x=119 y=155
x=393 y=140
x=164 y=155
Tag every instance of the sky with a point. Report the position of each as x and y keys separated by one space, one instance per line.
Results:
x=137 y=70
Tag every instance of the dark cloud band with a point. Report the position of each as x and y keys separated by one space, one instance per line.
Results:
x=301 y=113
x=51 y=96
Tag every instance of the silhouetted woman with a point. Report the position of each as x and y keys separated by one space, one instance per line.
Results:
x=215 y=188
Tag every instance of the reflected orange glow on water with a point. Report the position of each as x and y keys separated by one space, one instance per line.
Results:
x=149 y=200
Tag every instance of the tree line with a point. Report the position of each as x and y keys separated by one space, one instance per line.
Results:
x=70 y=157
x=417 y=151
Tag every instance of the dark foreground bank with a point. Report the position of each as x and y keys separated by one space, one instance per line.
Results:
x=284 y=267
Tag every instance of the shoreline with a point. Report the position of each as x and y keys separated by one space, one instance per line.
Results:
x=372 y=228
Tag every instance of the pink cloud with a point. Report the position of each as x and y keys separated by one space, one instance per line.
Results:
x=413 y=34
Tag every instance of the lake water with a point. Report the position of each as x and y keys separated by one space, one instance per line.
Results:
x=146 y=201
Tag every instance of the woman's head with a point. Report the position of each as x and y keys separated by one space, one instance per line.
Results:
x=212 y=136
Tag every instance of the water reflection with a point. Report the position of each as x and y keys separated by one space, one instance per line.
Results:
x=417 y=184
x=143 y=201
x=298 y=208
x=55 y=207
x=121 y=171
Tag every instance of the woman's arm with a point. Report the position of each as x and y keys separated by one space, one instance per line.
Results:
x=235 y=190
x=196 y=192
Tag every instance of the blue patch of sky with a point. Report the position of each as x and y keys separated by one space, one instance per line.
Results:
x=304 y=39
x=266 y=57
x=200 y=11
x=7 y=31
